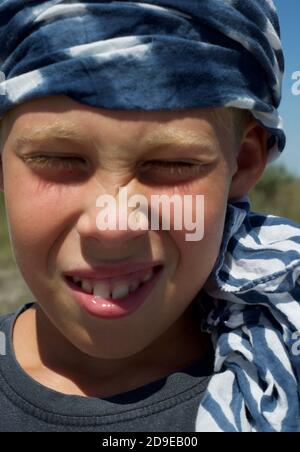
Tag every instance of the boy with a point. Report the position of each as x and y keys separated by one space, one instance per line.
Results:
x=113 y=341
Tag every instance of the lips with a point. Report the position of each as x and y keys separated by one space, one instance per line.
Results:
x=102 y=306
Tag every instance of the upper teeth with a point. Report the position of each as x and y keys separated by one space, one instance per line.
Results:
x=118 y=290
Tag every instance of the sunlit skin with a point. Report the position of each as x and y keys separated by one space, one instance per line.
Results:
x=52 y=219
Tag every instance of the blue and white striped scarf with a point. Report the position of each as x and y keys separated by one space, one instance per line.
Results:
x=177 y=54
x=253 y=314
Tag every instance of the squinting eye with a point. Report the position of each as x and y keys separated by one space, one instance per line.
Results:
x=172 y=168
x=43 y=161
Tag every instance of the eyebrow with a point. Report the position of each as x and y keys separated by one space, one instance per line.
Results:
x=49 y=132
x=178 y=137
x=167 y=138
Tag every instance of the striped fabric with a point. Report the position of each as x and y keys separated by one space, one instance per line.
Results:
x=154 y=55
x=176 y=54
x=253 y=314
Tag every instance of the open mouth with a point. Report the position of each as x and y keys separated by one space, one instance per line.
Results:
x=114 y=290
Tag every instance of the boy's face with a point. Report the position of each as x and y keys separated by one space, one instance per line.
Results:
x=52 y=211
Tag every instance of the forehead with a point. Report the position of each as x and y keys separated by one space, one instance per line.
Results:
x=62 y=118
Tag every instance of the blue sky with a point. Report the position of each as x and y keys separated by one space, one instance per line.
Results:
x=289 y=17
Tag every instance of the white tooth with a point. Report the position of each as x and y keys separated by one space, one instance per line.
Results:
x=76 y=280
x=102 y=290
x=147 y=277
x=134 y=286
x=120 y=291
x=87 y=286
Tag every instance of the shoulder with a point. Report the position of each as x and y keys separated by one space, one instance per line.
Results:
x=271 y=243
x=271 y=228
x=268 y=229
x=260 y=252
x=268 y=237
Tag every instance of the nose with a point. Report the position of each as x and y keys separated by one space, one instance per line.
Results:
x=114 y=220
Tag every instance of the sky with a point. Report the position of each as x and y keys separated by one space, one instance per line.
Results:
x=289 y=18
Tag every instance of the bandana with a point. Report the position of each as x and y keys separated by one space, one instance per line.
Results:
x=155 y=55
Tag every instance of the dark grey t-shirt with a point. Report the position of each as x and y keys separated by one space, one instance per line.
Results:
x=166 y=405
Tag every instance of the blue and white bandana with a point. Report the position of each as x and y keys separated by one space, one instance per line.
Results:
x=253 y=315
x=175 y=54
x=154 y=55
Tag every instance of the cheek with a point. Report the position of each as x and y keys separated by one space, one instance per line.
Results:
x=36 y=214
x=198 y=257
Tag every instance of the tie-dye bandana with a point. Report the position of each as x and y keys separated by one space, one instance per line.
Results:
x=160 y=54
x=176 y=54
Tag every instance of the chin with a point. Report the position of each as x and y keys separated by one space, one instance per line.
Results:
x=96 y=349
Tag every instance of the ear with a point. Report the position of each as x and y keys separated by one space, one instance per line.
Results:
x=251 y=160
